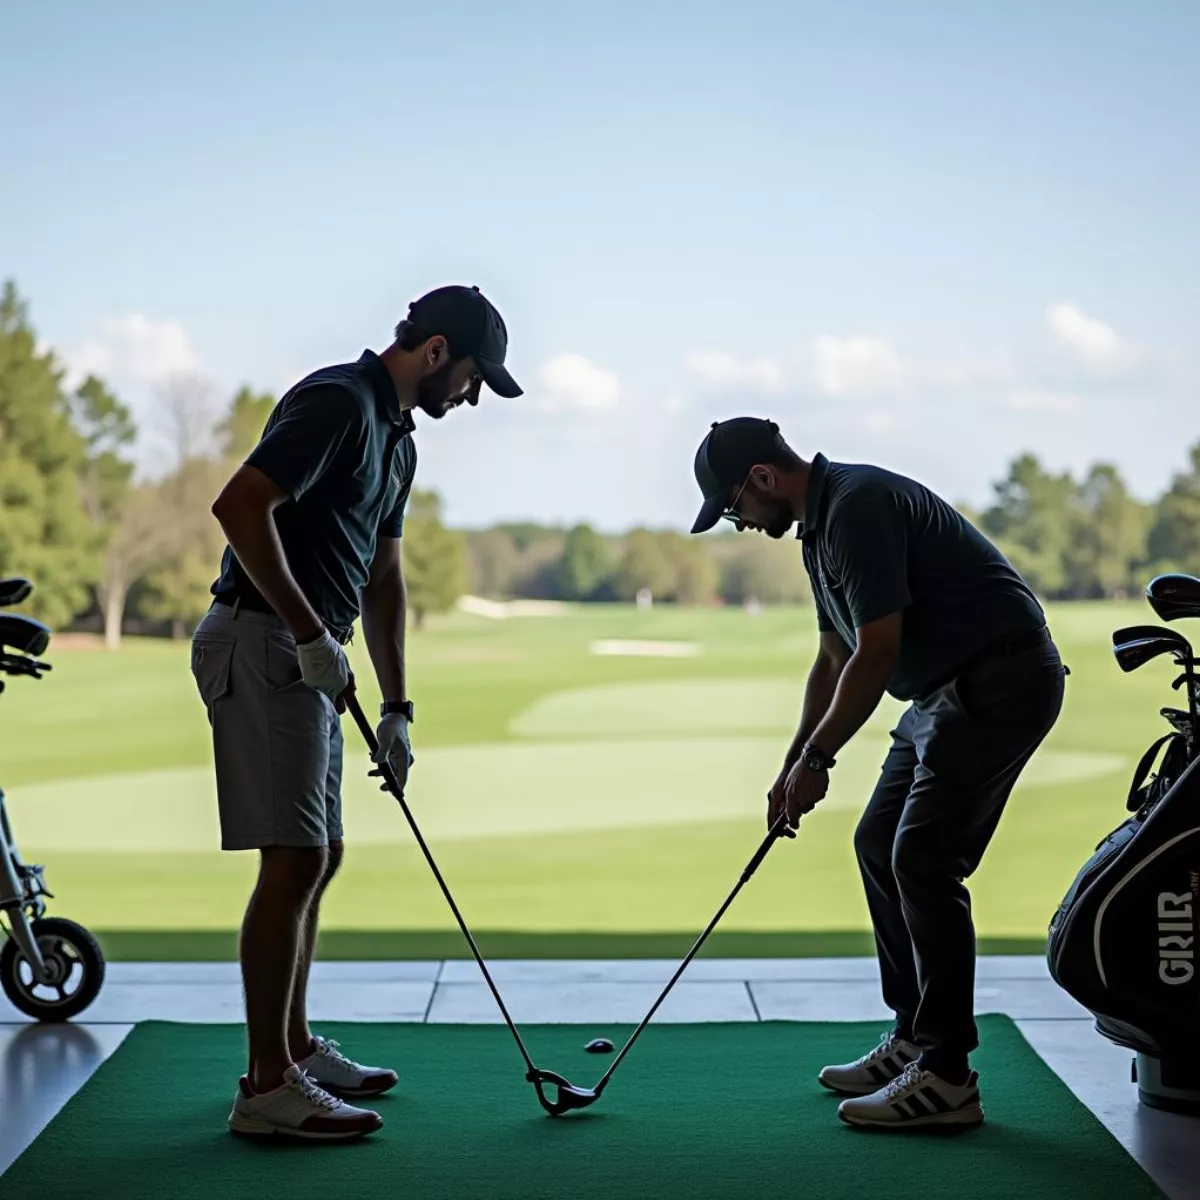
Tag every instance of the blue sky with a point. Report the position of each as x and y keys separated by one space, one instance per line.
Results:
x=926 y=235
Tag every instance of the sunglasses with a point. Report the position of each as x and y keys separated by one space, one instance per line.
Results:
x=730 y=514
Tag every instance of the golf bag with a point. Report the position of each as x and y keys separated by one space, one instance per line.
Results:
x=1123 y=941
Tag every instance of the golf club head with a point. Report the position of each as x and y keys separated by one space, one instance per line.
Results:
x=1137 y=645
x=566 y=1095
x=1178 y=719
x=1174 y=596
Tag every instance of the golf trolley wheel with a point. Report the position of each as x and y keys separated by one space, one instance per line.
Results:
x=76 y=965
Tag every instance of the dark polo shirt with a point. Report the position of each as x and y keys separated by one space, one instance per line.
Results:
x=875 y=542
x=341 y=448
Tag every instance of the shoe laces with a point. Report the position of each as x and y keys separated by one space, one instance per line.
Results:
x=879 y=1051
x=906 y=1079
x=329 y=1049
x=311 y=1092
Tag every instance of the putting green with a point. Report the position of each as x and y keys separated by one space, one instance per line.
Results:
x=675 y=708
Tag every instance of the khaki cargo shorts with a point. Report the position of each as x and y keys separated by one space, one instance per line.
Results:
x=277 y=743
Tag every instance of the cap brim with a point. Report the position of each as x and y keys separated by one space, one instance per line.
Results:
x=710 y=514
x=496 y=376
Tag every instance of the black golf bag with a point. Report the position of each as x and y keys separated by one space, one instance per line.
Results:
x=1123 y=942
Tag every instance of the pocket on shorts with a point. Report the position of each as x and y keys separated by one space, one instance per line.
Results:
x=283 y=673
x=212 y=668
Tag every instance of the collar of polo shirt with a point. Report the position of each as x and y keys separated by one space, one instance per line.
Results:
x=814 y=497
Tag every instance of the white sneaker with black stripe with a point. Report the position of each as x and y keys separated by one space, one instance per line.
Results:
x=869 y=1073
x=916 y=1098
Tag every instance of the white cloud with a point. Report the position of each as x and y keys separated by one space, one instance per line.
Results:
x=1041 y=400
x=856 y=365
x=1096 y=344
x=723 y=371
x=134 y=348
x=573 y=382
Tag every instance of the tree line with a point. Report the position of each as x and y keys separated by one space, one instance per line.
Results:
x=111 y=551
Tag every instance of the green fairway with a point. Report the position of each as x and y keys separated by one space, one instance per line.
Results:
x=563 y=791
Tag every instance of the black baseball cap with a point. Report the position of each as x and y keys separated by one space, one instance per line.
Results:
x=729 y=450
x=468 y=320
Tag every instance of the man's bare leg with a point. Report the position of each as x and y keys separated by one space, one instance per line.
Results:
x=269 y=951
x=300 y=1043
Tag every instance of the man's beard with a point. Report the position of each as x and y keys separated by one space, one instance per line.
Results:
x=779 y=519
x=433 y=393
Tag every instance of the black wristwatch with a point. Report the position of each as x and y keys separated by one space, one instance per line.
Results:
x=397 y=706
x=815 y=759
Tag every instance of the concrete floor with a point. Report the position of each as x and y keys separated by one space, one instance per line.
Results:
x=41 y=1066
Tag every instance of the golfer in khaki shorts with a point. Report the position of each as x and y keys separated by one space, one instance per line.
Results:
x=314 y=518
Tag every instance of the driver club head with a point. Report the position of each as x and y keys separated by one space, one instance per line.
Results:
x=1173 y=596
x=566 y=1095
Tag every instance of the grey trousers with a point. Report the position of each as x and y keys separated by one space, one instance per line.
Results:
x=954 y=759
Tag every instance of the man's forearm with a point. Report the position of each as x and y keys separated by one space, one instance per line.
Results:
x=818 y=695
x=383 y=620
x=255 y=541
x=859 y=690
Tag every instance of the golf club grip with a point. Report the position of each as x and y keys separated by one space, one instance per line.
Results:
x=773 y=835
x=360 y=719
x=393 y=785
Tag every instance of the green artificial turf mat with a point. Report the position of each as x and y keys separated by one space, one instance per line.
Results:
x=708 y=1110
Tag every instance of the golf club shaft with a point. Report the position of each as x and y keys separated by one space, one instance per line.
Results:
x=393 y=786
x=773 y=835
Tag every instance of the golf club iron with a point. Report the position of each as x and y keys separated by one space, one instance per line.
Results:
x=773 y=835
x=568 y=1096
x=1138 y=644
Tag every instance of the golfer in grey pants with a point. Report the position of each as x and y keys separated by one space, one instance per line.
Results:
x=314 y=519
x=913 y=600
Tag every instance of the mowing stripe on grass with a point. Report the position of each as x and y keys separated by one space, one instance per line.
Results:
x=500 y=790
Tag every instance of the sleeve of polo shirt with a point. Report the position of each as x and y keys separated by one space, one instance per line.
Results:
x=824 y=623
x=317 y=427
x=869 y=537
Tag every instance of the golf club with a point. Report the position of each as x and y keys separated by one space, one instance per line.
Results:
x=1138 y=644
x=1174 y=596
x=567 y=1096
x=773 y=834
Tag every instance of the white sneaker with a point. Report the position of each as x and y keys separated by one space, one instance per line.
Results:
x=298 y=1108
x=339 y=1076
x=916 y=1098
x=865 y=1075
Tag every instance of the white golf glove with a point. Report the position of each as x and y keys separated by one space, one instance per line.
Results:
x=324 y=665
x=394 y=746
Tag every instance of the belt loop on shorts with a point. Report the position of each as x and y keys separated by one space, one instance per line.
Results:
x=237 y=603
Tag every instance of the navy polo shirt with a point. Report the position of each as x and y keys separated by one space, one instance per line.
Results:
x=875 y=542
x=341 y=448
